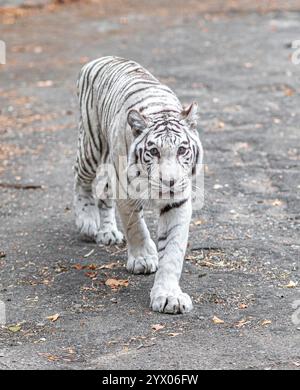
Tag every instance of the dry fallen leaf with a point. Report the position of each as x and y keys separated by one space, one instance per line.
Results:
x=198 y=222
x=52 y=358
x=46 y=83
x=217 y=320
x=191 y=257
x=14 y=328
x=243 y=306
x=242 y=323
x=114 y=283
x=91 y=266
x=83 y=60
x=289 y=91
x=291 y=284
x=78 y=267
x=277 y=202
x=49 y=357
x=266 y=322
x=108 y=266
x=157 y=327
x=173 y=334
x=91 y=275
x=207 y=264
x=38 y=49
x=217 y=186
x=54 y=317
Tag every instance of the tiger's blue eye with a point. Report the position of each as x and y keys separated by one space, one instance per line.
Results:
x=154 y=152
x=181 y=150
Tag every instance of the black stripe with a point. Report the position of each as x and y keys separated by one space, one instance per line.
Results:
x=84 y=162
x=90 y=129
x=118 y=74
x=196 y=162
x=128 y=87
x=164 y=111
x=95 y=78
x=171 y=206
x=95 y=160
x=137 y=90
x=85 y=179
x=86 y=77
x=146 y=98
x=162 y=238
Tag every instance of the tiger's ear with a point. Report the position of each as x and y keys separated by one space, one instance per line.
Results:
x=190 y=114
x=137 y=122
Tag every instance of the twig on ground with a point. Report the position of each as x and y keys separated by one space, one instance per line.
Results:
x=19 y=186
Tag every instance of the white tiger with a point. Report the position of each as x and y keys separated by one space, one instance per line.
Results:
x=125 y=111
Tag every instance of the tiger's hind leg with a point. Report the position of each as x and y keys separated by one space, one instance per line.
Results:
x=87 y=214
x=108 y=233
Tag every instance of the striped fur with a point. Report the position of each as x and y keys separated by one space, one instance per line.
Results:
x=125 y=111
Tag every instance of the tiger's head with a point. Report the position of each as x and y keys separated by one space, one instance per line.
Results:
x=165 y=153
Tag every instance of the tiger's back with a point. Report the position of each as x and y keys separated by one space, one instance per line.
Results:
x=110 y=86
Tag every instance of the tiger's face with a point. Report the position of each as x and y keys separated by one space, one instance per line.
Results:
x=164 y=154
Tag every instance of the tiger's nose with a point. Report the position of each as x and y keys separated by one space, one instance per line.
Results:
x=168 y=183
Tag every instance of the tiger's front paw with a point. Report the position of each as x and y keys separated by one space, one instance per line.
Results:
x=87 y=221
x=143 y=260
x=110 y=237
x=170 y=301
x=142 y=264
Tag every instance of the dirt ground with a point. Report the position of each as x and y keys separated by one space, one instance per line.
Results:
x=242 y=264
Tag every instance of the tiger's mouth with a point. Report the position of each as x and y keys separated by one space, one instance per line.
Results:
x=149 y=186
x=167 y=192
